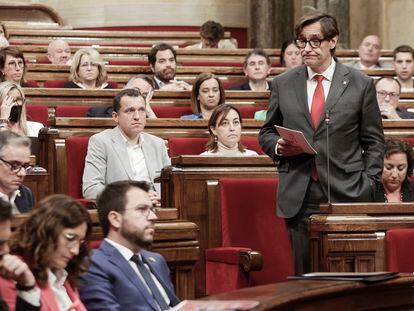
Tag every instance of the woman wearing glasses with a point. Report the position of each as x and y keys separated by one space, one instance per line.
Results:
x=13 y=66
x=225 y=126
x=13 y=111
x=87 y=71
x=52 y=243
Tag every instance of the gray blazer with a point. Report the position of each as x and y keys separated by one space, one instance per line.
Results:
x=107 y=160
x=356 y=138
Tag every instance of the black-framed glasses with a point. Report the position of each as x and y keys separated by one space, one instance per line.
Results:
x=16 y=166
x=314 y=43
x=384 y=94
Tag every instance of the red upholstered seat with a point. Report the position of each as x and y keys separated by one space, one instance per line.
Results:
x=409 y=140
x=248 y=111
x=171 y=111
x=76 y=149
x=31 y=83
x=71 y=111
x=186 y=146
x=38 y=113
x=53 y=84
x=400 y=253
x=252 y=143
x=248 y=222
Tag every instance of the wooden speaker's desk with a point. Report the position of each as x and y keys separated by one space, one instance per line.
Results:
x=351 y=237
x=396 y=294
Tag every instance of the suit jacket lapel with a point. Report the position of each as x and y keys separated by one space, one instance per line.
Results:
x=301 y=91
x=119 y=148
x=116 y=258
x=339 y=84
x=47 y=298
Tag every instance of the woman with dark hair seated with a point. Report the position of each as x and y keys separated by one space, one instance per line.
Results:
x=12 y=66
x=207 y=94
x=225 y=126
x=398 y=166
x=52 y=243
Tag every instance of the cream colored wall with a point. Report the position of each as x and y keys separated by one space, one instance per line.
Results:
x=392 y=20
x=97 y=13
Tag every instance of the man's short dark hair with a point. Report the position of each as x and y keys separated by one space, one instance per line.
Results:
x=134 y=92
x=259 y=52
x=5 y=210
x=212 y=31
x=113 y=198
x=152 y=56
x=403 y=49
x=328 y=23
x=146 y=78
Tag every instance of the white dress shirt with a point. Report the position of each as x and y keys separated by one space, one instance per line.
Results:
x=56 y=281
x=11 y=200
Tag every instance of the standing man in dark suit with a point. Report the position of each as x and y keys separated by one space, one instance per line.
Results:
x=122 y=275
x=306 y=98
x=14 y=161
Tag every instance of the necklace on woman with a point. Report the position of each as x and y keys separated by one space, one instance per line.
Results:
x=400 y=199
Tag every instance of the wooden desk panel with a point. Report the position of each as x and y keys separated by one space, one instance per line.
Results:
x=350 y=237
x=38 y=183
x=307 y=295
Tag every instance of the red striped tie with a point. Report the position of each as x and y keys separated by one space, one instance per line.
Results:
x=318 y=103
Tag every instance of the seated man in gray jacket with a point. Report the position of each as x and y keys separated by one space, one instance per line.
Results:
x=124 y=152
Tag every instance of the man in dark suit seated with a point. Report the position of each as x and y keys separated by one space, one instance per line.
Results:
x=12 y=267
x=122 y=275
x=14 y=162
x=257 y=68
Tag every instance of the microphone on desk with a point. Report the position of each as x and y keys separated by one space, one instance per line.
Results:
x=328 y=154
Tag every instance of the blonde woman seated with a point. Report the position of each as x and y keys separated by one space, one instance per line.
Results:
x=13 y=111
x=225 y=126
x=87 y=71
x=207 y=94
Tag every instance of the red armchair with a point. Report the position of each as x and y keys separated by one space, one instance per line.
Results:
x=53 y=84
x=250 y=228
x=400 y=254
x=76 y=149
x=71 y=111
x=171 y=111
x=38 y=113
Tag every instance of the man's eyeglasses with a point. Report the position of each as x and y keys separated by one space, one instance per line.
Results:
x=383 y=94
x=145 y=211
x=314 y=43
x=16 y=166
x=15 y=64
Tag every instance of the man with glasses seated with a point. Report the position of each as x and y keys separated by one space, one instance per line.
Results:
x=122 y=275
x=14 y=164
x=144 y=83
x=318 y=97
x=388 y=95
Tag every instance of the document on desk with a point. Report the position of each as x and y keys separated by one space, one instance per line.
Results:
x=215 y=305
x=368 y=277
x=296 y=138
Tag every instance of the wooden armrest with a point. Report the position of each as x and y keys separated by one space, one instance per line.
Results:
x=251 y=260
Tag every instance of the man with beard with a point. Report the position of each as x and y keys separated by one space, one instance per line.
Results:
x=163 y=61
x=122 y=275
x=124 y=152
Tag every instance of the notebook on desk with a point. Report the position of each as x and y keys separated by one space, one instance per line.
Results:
x=368 y=277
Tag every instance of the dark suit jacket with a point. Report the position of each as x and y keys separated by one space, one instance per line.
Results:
x=112 y=284
x=100 y=112
x=25 y=201
x=355 y=136
x=244 y=87
x=21 y=305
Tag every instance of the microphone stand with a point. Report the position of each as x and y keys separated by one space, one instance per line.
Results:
x=328 y=157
